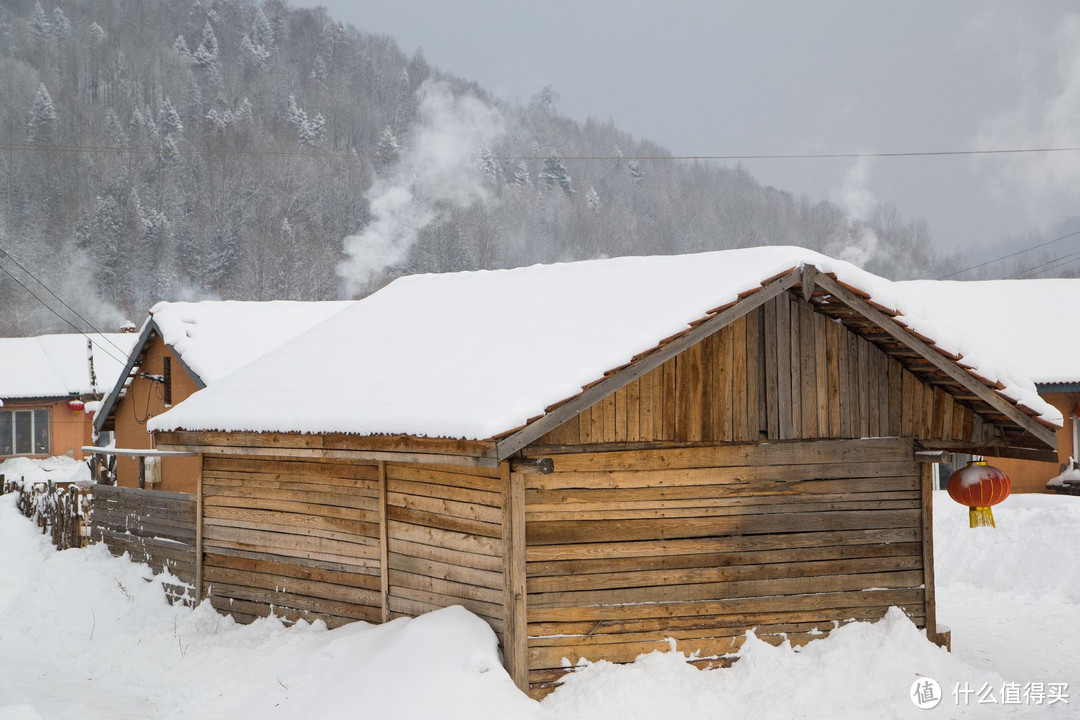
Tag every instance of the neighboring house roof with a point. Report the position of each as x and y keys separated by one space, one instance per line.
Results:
x=55 y=366
x=474 y=355
x=216 y=337
x=1017 y=317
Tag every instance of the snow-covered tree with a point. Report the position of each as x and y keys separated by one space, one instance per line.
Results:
x=43 y=117
x=592 y=199
x=257 y=43
x=61 y=26
x=387 y=150
x=308 y=129
x=206 y=55
x=40 y=27
x=521 y=175
x=169 y=119
x=555 y=173
x=319 y=71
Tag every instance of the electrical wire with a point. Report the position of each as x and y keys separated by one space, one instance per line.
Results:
x=28 y=147
x=73 y=311
x=1047 y=266
x=54 y=312
x=1012 y=254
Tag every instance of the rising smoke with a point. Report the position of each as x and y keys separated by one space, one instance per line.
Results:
x=437 y=172
x=860 y=242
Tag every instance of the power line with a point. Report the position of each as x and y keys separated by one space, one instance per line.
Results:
x=27 y=147
x=48 y=307
x=1012 y=254
x=1048 y=265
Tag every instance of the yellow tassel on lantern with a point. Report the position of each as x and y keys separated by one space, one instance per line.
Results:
x=981 y=517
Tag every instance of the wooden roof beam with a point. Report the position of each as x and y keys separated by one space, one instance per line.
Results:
x=957 y=373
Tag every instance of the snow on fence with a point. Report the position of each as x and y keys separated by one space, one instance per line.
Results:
x=154 y=527
x=60 y=511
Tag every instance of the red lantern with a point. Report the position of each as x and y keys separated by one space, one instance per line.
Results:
x=76 y=406
x=979 y=486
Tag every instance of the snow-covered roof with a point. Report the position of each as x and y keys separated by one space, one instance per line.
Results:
x=475 y=354
x=217 y=337
x=1019 y=318
x=58 y=365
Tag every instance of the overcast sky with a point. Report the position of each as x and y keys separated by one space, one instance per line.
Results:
x=761 y=77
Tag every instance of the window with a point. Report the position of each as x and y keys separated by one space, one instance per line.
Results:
x=24 y=432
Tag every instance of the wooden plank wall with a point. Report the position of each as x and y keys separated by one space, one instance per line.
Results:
x=153 y=527
x=628 y=548
x=306 y=537
x=782 y=372
x=299 y=535
x=444 y=540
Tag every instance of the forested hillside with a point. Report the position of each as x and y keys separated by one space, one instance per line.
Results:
x=157 y=149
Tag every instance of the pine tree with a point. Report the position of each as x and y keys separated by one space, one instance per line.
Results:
x=592 y=199
x=114 y=130
x=170 y=119
x=40 y=27
x=386 y=151
x=262 y=34
x=61 y=26
x=521 y=175
x=97 y=33
x=207 y=52
x=554 y=172
x=43 y=117
x=308 y=130
x=319 y=71
x=403 y=104
x=489 y=166
x=256 y=45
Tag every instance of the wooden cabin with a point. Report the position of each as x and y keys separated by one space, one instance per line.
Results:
x=46 y=382
x=181 y=348
x=596 y=457
x=1013 y=316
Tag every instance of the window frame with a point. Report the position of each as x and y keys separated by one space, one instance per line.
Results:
x=34 y=424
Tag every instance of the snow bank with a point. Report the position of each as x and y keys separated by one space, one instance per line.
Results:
x=863 y=670
x=60 y=469
x=1033 y=548
x=475 y=354
x=86 y=635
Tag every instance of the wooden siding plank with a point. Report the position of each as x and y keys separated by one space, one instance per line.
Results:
x=771 y=360
x=734 y=398
x=930 y=599
x=822 y=399
x=784 y=367
x=796 y=369
x=807 y=350
x=515 y=639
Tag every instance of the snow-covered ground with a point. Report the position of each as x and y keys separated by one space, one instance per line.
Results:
x=85 y=635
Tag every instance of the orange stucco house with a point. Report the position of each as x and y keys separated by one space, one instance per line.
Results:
x=1016 y=317
x=48 y=385
x=181 y=348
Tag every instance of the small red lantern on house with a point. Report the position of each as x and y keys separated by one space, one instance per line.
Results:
x=76 y=406
x=979 y=486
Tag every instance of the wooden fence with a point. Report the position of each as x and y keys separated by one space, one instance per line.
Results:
x=61 y=512
x=154 y=527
